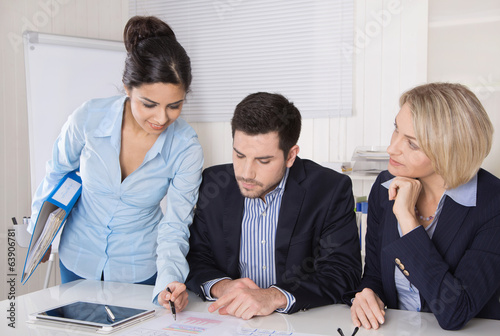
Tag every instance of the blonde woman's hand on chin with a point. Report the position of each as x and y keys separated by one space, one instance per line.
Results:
x=405 y=191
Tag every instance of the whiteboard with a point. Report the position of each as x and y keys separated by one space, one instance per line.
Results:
x=62 y=72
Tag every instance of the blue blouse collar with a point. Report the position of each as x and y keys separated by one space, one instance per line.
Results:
x=465 y=194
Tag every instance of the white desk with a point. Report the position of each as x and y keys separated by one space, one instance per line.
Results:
x=323 y=320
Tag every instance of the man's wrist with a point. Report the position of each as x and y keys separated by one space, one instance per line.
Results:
x=218 y=288
x=280 y=299
x=207 y=288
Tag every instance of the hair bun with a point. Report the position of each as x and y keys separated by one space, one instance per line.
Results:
x=139 y=28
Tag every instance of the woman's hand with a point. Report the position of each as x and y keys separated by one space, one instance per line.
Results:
x=367 y=310
x=405 y=191
x=46 y=256
x=179 y=296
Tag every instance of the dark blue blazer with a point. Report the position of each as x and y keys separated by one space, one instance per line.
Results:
x=457 y=272
x=317 y=253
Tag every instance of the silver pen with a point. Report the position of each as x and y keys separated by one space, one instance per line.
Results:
x=110 y=313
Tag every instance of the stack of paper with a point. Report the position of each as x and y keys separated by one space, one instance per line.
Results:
x=42 y=244
x=370 y=159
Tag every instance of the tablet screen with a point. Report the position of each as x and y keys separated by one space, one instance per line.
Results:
x=92 y=314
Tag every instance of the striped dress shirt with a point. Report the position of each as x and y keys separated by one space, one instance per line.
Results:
x=257 y=242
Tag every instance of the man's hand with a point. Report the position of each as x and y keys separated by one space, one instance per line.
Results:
x=249 y=302
x=227 y=286
x=179 y=296
x=367 y=309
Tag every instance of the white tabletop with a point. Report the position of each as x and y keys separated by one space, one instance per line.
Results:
x=322 y=320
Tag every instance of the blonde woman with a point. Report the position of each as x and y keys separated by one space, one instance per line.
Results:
x=433 y=239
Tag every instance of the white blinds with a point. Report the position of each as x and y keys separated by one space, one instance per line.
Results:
x=296 y=48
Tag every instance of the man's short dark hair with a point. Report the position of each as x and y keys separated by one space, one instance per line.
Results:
x=262 y=112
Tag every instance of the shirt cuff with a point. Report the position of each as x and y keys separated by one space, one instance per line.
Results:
x=207 y=286
x=155 y=300
x=290 y=301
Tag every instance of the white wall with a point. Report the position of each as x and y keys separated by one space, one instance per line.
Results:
x=390 y=56
x=464 y=46
x=88 y=18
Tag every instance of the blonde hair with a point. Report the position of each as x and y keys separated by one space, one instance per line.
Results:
x=452 y=129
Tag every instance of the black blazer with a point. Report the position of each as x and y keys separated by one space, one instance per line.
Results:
x=317 y=252
x=457 y=272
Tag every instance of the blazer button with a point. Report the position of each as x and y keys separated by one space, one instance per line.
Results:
x=397 y=261
x=405 y=272
x=401 y=266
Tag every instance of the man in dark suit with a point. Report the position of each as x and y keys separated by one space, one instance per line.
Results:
x=272 y=232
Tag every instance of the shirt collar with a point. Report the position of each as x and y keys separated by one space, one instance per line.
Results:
x=112 y=119
x=280 y=188
x=111 y=126
x=465 y=194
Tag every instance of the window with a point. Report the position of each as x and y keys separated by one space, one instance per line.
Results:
x=237 y=47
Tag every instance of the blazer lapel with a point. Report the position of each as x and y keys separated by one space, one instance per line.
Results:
x=291 y=203
x=449 y=222
x=233 y=215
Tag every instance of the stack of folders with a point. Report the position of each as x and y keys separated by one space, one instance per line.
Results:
x=49 y=232
x=53 y=213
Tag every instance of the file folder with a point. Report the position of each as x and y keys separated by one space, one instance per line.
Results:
x=53 y=214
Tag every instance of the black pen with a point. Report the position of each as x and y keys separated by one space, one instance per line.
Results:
x=340 y=332
x=172 y=305
x=355 y=331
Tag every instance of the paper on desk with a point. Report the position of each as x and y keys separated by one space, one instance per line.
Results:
x=194 y=323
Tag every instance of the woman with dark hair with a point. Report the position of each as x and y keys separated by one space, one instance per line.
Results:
x=432 y=241
x=132 y=151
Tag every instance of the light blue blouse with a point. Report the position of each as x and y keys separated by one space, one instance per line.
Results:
x=118 y=228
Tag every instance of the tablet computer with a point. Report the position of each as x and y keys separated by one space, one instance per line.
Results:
x=101 y=317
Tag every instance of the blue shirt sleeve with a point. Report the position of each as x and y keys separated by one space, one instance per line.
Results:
x=65 y=158
x=173 y=230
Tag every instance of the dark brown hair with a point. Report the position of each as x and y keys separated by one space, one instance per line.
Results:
x=153 y=54
x=262 y=112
